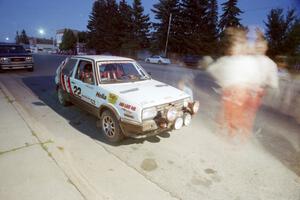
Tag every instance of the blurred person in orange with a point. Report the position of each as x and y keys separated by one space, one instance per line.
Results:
x=242 y=75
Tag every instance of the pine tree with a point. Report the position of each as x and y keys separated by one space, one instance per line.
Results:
x=163 y=10
x=69 y=40
x=212 y=26
x=230 y=16
x=126 y=28
x=23 y=38
x=282 y=32
x=17 y=38
x=104 y=27
x=193 y=26
x=141 y=26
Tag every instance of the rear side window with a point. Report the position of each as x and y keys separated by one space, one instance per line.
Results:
x=68 y=68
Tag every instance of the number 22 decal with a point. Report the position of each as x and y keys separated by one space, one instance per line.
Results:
x=77 y=90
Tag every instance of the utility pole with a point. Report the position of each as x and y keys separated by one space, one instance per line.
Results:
x=166 y=47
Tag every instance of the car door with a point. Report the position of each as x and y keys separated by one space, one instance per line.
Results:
x=84 y=85
x=66 y=75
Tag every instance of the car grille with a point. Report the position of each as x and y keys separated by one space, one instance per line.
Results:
x=165 y=107
x=17 y=59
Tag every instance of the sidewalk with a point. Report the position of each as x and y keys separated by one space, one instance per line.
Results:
x=27 y=171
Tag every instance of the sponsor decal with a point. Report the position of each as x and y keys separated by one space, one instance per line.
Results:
x=127 y=106
x=77 y=90
x=112 y=98
x=102 y=96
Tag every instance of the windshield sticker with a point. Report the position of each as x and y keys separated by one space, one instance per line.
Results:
x=112 y=98
x=127 y=106
x=102 y=96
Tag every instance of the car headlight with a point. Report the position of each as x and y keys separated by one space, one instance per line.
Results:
x=28 y=58
x=171 y=114
x=4 y=59
x=149 y=113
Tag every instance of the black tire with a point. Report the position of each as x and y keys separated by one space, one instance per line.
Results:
x=159 y=62
x=147 y=61
x=62 y=98
x=110 y=127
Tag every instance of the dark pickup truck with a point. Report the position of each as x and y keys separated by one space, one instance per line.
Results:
x=13 y=56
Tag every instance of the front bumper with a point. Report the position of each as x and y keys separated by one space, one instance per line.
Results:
x=148 y=127
x=16 y=66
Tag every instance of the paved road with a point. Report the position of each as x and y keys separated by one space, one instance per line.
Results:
x=192 y=163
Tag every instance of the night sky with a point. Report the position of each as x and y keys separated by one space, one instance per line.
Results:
x=51 y=15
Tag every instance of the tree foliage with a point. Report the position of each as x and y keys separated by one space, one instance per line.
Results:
x=22 y=38
x=116 y=27
x=141 y=25
x=282 y=32
x=163 y=10
x=230 y=16
x=69 y=40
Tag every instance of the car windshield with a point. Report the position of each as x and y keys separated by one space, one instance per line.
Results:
x=121 y=72
x=11 y=49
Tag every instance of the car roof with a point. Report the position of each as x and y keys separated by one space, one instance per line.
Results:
x=104 y=58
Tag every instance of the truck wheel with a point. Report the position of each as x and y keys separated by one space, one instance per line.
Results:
x=110 y=127
x=62 y=97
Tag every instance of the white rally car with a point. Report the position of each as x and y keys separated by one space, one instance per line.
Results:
x=123 y=96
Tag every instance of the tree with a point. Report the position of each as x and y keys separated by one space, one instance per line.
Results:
x=82 y=37
x=212 y=26
x=193 y=26
x=126 y=28
x=230 y=16
x=23 y=38
x=69 y=40
x=104 y=27
x=17 y=38
x=282 y=32
x=141 y=26
x=162 y=10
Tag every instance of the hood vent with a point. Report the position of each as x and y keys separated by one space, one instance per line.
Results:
x=130 y=90
x=162 y=85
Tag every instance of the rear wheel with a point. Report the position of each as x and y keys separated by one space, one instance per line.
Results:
x=110 y=127
x=159 y=62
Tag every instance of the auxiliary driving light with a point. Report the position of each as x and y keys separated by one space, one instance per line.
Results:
x=178 y=123
x=187 y=118
x=194 y=107
x=172 y=113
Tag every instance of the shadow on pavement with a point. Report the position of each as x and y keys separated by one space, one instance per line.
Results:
x=44 y=88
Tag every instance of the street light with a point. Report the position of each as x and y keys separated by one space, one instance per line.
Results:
x=41 y=31
x=7 y=38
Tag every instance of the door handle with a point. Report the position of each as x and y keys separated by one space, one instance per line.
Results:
x=88 y=86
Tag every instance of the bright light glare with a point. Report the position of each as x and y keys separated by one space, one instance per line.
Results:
x=41 y=31
x=7 y=38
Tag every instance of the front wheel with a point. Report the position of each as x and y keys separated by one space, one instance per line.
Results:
x=62 y=97
x=110 y=127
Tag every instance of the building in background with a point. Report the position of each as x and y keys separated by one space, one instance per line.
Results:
x=42 y=45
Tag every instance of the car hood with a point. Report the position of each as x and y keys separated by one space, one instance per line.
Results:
x=146 y=93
